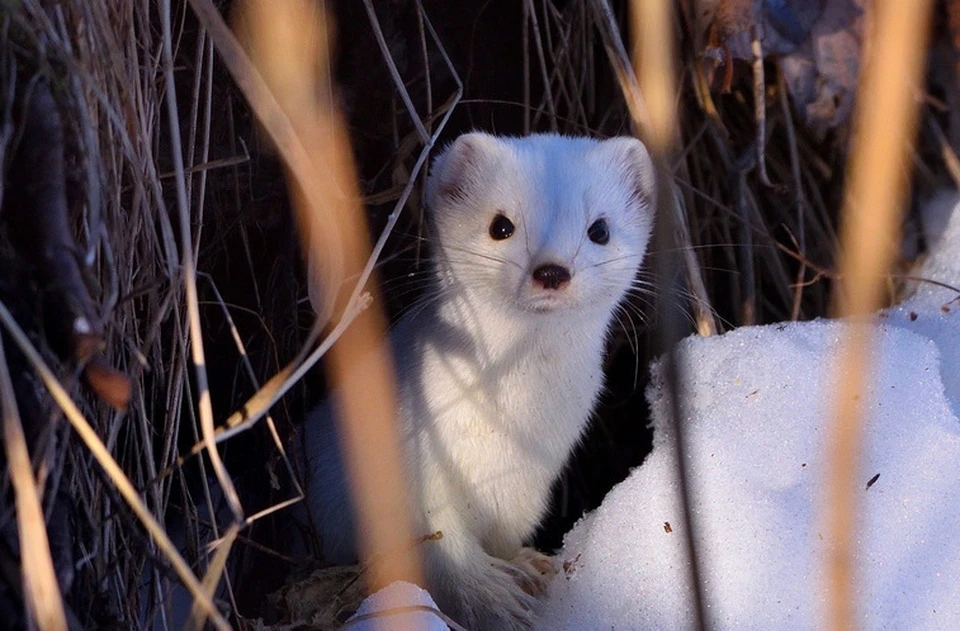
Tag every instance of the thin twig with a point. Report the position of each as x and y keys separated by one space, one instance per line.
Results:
x=759 y=101
x=394 y=73
x=799 y=198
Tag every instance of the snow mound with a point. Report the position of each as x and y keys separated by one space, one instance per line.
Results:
x=758 y=408
x=399 y=606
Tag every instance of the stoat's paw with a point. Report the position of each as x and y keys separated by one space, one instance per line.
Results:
x=533 y=570
x=492 y=599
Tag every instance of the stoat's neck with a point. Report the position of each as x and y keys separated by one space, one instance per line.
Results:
x=527 y=381
x=501 y=334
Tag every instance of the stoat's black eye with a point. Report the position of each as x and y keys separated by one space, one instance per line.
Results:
x=599 y=232
x=501 y=228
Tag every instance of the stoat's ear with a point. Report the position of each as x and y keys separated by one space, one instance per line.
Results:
x=637 y=168
x=456 y=169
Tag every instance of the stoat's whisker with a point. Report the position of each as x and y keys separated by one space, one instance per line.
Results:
x=626 y=257
x=482 y=255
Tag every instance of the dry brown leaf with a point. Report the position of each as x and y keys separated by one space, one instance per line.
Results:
x=110 y=384
x=729 y=18
x=325 y=598
x=819 y=43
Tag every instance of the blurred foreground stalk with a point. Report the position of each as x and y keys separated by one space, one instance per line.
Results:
x=653 y=61
x=884 y=127
x=289 y=45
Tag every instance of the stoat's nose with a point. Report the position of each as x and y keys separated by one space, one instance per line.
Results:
x=551 y=276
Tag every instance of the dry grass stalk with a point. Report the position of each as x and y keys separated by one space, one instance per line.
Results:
x=330 y=216
x=653 y=62
x=188 y=263
x=41 y=591
x=652 y=24
x=211 y=579
x=884 y=127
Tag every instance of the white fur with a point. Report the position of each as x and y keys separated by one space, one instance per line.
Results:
x=499 y=375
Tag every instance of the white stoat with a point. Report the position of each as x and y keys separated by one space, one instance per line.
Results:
x=536 y=242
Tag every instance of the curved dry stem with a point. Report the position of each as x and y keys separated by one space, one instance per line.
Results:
x=190 y=277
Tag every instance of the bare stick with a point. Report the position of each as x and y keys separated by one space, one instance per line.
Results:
x=394 y=73
x=799 y=198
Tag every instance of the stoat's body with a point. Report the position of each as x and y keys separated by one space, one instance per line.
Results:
x=536 y=242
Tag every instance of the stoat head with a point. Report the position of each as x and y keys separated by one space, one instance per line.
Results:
x=542 y=224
